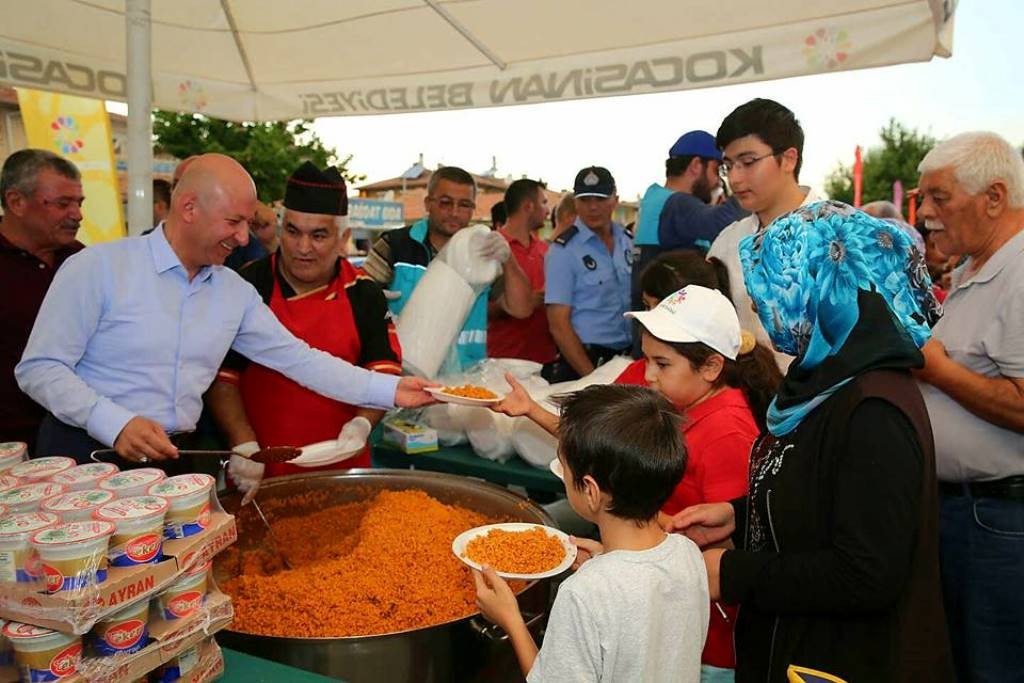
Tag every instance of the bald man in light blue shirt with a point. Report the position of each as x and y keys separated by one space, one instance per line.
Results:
x=131 y=333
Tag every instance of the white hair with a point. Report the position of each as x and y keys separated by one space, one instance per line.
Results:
x=979 y=159
x=340 y=222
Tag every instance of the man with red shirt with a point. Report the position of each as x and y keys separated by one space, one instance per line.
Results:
x=328 y=303
x=41 y=195
x=530 y=338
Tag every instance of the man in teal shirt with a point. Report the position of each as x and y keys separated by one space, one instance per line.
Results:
x=400 y=258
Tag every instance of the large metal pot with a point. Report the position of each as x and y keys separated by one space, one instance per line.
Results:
x=467 y=649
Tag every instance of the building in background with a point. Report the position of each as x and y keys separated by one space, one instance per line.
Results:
x=410 y=188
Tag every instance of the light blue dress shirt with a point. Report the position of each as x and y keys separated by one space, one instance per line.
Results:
x=123 y=332
x=581 y=273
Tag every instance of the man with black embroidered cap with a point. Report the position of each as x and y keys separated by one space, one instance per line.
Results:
x=587 y=275
x=328 y=303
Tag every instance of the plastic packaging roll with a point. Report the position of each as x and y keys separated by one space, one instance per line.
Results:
x=438 y=307
x=431 y=321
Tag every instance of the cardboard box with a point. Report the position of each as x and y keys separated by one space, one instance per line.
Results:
x=168 y=639
x=209 y=666
x=409 y=437
x=77 y=611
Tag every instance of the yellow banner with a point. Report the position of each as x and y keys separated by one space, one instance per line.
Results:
x=78 y=129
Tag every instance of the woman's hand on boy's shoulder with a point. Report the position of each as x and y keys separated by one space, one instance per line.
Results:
x=706 y=525
x=587 y=549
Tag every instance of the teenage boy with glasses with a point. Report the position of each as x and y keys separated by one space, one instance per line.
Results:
x=762 y=147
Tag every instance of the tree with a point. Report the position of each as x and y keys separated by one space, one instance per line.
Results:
x=897 y=159
x=269 y=151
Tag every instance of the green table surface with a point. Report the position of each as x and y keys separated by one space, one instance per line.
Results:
x=242 y=668
x=462 y=460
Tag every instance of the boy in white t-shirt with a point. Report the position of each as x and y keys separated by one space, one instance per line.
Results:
x=638 y=610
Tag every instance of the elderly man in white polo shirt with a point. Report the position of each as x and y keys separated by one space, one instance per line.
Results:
x=972 y=190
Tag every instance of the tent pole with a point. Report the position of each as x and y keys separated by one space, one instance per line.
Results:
x=140 y=124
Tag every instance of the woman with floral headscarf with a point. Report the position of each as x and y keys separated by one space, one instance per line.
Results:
x=833 y=555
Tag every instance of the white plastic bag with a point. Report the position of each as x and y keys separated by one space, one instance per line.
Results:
x=438 y=307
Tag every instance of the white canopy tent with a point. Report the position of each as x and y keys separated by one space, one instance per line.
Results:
x=261 y=60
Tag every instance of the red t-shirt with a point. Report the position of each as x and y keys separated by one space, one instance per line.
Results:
x=719 y=434
x=528 y=338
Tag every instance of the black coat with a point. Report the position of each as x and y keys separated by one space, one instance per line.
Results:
x=838 y=570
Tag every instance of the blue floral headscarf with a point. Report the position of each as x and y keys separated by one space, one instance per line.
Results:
x=815 y=276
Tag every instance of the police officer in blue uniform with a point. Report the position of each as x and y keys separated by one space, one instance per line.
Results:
x=587 y=276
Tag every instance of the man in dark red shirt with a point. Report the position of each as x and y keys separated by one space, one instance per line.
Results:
x=507 y=337
x=41 y=194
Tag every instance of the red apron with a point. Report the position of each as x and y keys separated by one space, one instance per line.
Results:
x=284 y=413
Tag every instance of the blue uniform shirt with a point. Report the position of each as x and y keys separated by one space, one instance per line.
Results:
x=579 y=272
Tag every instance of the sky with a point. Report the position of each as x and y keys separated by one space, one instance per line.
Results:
x=978 y=88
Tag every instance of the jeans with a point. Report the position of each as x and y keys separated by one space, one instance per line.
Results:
x=982 y=562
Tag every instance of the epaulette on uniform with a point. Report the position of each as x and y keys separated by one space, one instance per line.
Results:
x=564 y=238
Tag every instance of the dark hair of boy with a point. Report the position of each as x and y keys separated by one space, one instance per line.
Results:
x=673 y=270
x=520 y=191
x=627 y=438
x=773 y=123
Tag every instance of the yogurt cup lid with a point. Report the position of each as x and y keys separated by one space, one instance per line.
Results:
x=132 y=478
x=26 y=493
x=26 y=523
x=136 y=507
x=75 y=532
x=7 y=482
x=15 y=630
x=87 y=472
x=42 y=467
x=78 y=500
x=181 y=485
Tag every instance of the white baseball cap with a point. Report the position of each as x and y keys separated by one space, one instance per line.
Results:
x=695 y=314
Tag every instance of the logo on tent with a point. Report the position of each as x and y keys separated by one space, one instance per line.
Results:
x=65 y=135
x=827 y=48
x=192 y=95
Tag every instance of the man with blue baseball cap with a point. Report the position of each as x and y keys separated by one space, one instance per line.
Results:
x=681 y=214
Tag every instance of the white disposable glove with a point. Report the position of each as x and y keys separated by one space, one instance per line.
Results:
x=245 y=473
x=354 y=434
x=495 y=247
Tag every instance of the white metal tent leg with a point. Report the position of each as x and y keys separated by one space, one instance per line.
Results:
x=140 y=126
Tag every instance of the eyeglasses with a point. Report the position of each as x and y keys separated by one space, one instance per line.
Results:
x=64 y=203
x=447 y=204
x=743 y=163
